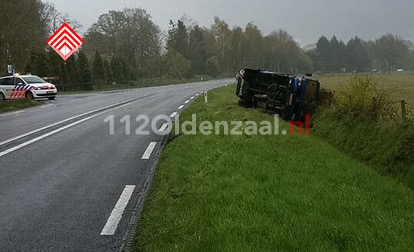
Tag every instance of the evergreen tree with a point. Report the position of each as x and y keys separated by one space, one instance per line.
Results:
x=323 y=53
x=116 y=68
x=98 y=69
x=38 y=64
x=72 y=68
x=178 y=38
x=357 y=55
x=83 y=68
x=108 y=70
x=197 y=51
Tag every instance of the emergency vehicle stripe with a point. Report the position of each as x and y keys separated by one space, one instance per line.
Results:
x=22 y=93
x=19 y=91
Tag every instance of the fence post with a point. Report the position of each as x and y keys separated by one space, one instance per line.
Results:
x=330 y=99
x=374 y=103
x=403 y=110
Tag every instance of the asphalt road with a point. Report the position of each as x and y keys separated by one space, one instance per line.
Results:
x=65 y=180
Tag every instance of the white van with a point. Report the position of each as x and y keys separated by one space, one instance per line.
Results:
x=26 y=86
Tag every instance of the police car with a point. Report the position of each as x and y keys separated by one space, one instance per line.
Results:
x=26 y=86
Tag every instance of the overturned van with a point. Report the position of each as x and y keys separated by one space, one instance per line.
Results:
x=289 y=96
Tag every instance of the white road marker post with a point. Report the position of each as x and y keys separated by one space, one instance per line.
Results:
x=205 y=97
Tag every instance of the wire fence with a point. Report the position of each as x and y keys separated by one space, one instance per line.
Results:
x=395 y=109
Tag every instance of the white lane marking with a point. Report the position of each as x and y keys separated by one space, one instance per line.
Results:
x=197 y=94
x=45 y=106
x=192 y=97
x=173 y=115
x=54 y=124
x=12 y=113
x=116 y=215
x=181 y=107
x=149 y=150
x=47 y=135
x=163 y=127
x=187 y=101
x=57 y=131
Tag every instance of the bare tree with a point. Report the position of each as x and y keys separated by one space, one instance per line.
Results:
x=53 y=19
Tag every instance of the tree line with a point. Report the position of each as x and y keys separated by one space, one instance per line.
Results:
x=384 y=54
x=127 y=45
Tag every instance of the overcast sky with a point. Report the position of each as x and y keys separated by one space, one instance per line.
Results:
x=305 y=20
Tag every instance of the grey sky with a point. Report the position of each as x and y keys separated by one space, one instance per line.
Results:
x=306 y=20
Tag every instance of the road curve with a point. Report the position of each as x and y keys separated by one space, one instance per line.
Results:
x=66 y=183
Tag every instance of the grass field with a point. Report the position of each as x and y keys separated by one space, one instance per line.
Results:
x=268 y=193
x=399 y=86
x=11 y=105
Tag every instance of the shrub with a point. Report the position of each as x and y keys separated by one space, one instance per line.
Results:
x=362 y=97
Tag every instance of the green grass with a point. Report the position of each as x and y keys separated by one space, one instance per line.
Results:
x=399 y=86
x=12 y=105
x=376 y=135
x=386 y=146
x=268 y=193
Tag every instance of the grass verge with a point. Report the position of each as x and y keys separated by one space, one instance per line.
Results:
x=386 y=145
x=268 y=193
x=12 y=105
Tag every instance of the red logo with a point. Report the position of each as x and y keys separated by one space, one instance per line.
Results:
x=65 y=41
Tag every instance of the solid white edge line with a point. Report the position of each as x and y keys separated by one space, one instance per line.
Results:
x=47 y=135
x=181 y=107
x=116 y=215
x=173 y=115
x=187 y=101
x=163 y=127
x=12 y=113
x=54 y=124
x=45 y=106
x=58 y=130
x=149 y=150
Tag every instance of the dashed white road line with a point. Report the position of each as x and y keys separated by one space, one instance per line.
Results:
x=197 y=94
x=181 y=107
x=163 y=127
x=192 y=97
x=116 y=215
x=173 y=115
x=187 y=101
x=148 y=152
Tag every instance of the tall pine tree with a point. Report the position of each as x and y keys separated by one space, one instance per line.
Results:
x=98 y=69
x=84 y=68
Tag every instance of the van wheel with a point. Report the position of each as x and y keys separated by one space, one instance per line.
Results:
x=29 y=95
x=2 y=97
